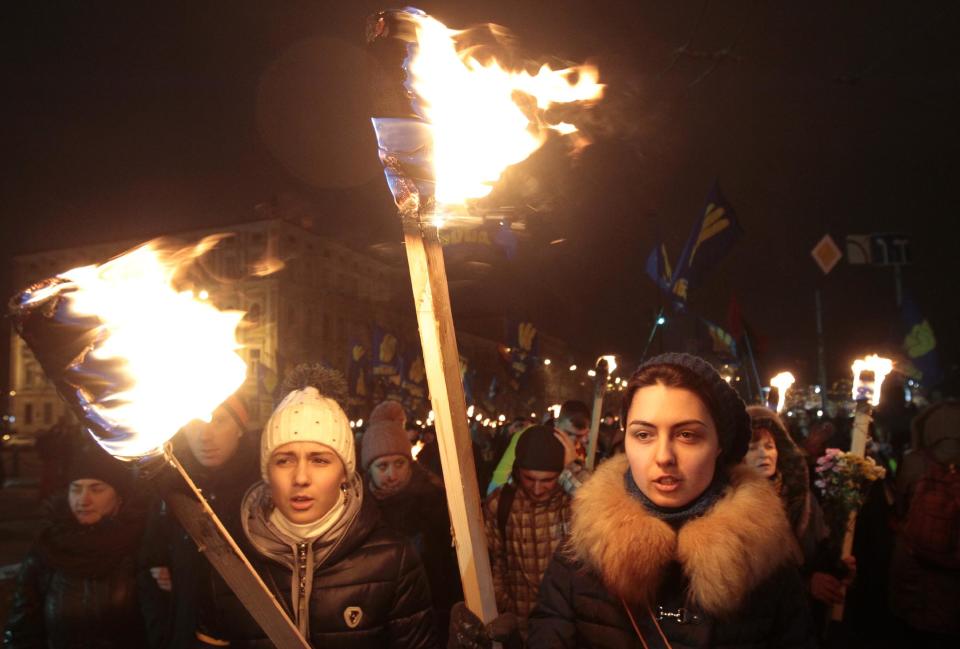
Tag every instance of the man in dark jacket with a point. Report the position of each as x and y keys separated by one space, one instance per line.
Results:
x=177 y=584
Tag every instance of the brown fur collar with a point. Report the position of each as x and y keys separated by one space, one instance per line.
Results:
x=725 y=554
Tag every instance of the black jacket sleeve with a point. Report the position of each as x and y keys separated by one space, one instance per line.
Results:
x=25 y=623
x=156 y=606
x=411 y=624
x=792 y=626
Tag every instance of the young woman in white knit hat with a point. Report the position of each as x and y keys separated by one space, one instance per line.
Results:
x=344 y=578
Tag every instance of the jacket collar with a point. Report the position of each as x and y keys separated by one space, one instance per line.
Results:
x=742 y=540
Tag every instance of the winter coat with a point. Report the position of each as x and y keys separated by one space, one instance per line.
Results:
x=172 y=617
x=77 y=588
x=370 y=592
x=419 y=513
x=793 y=485
x=925 y=596
x=726 y=579
x=519 y=557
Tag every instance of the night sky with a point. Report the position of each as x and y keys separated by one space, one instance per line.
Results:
x=126 y=120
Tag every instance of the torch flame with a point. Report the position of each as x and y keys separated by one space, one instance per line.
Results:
x=867 y=389
x=175 y=354
x=479 y=128
x=611 y=363
x=416 y=448
x=782 y=383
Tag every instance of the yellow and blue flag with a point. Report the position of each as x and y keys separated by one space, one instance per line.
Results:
x=920 y=345
x=713 y=235
x=711 y=239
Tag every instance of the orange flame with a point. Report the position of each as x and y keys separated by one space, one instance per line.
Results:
x=177 y=352
x=479 y=128
x=782 y=383
x=416 y=448
x=871 y=390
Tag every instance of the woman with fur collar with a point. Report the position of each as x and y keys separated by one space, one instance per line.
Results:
x=674 y=544
x=344 y=579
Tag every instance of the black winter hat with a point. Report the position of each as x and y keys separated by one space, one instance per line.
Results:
x=538 y=450
x=732 y=420
x=93 y=463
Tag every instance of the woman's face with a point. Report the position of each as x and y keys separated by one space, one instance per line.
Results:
x=304 y=480
x=391 y=473
x=671 y=444
x=92 y=500
x=762 y=454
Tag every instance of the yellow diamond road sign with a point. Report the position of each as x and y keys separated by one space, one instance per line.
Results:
x=826 y=254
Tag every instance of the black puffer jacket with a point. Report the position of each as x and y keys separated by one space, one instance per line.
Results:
x=172 y=617
x=419 y=512
x=370 y=592
x=725 y=580
x=77 y=588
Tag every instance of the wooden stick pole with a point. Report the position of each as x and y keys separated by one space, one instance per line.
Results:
x=599 y=389
x=212 y=538
x=858 y=446
x=431 y=297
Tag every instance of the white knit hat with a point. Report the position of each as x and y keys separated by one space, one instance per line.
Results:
x=307 y=416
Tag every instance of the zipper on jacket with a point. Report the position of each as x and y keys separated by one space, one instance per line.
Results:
x=302 y=566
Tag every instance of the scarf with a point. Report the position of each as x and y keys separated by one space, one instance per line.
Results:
x=675 y=517
x=278 y=539
x=310 y=531
x=382 y=494
x=89 y=551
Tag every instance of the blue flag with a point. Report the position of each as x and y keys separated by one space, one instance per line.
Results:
x=658 y=268
x=713 y=235
x=358 y=371
x=720 y=341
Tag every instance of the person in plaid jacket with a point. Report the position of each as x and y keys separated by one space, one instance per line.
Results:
x=527 y=519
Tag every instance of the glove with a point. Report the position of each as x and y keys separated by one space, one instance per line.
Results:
x=467 y=631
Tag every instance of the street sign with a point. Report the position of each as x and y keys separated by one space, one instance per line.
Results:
x=826 y=254
x=879 y=249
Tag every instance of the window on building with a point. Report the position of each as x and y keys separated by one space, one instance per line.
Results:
x=28 y=414
x=48 y=413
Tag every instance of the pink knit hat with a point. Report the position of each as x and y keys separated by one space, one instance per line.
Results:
x=385 y=435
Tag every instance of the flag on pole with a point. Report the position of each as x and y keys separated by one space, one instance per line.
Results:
x=721 y=342
x=713 y=234
x=919 y=344
x=358 y=374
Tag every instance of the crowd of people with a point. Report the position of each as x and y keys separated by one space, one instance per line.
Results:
x=699 y=527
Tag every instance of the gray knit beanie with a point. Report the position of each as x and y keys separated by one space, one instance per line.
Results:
x=728 y=409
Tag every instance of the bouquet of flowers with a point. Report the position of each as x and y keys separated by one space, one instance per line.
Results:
x=843 y=479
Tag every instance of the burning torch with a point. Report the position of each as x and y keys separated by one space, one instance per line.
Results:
x=136 y=356
x=447 y=126
x=868 y=376
x=782 y=383
x=605 y=365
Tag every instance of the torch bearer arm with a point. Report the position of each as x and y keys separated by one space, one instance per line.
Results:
x=212 y=538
